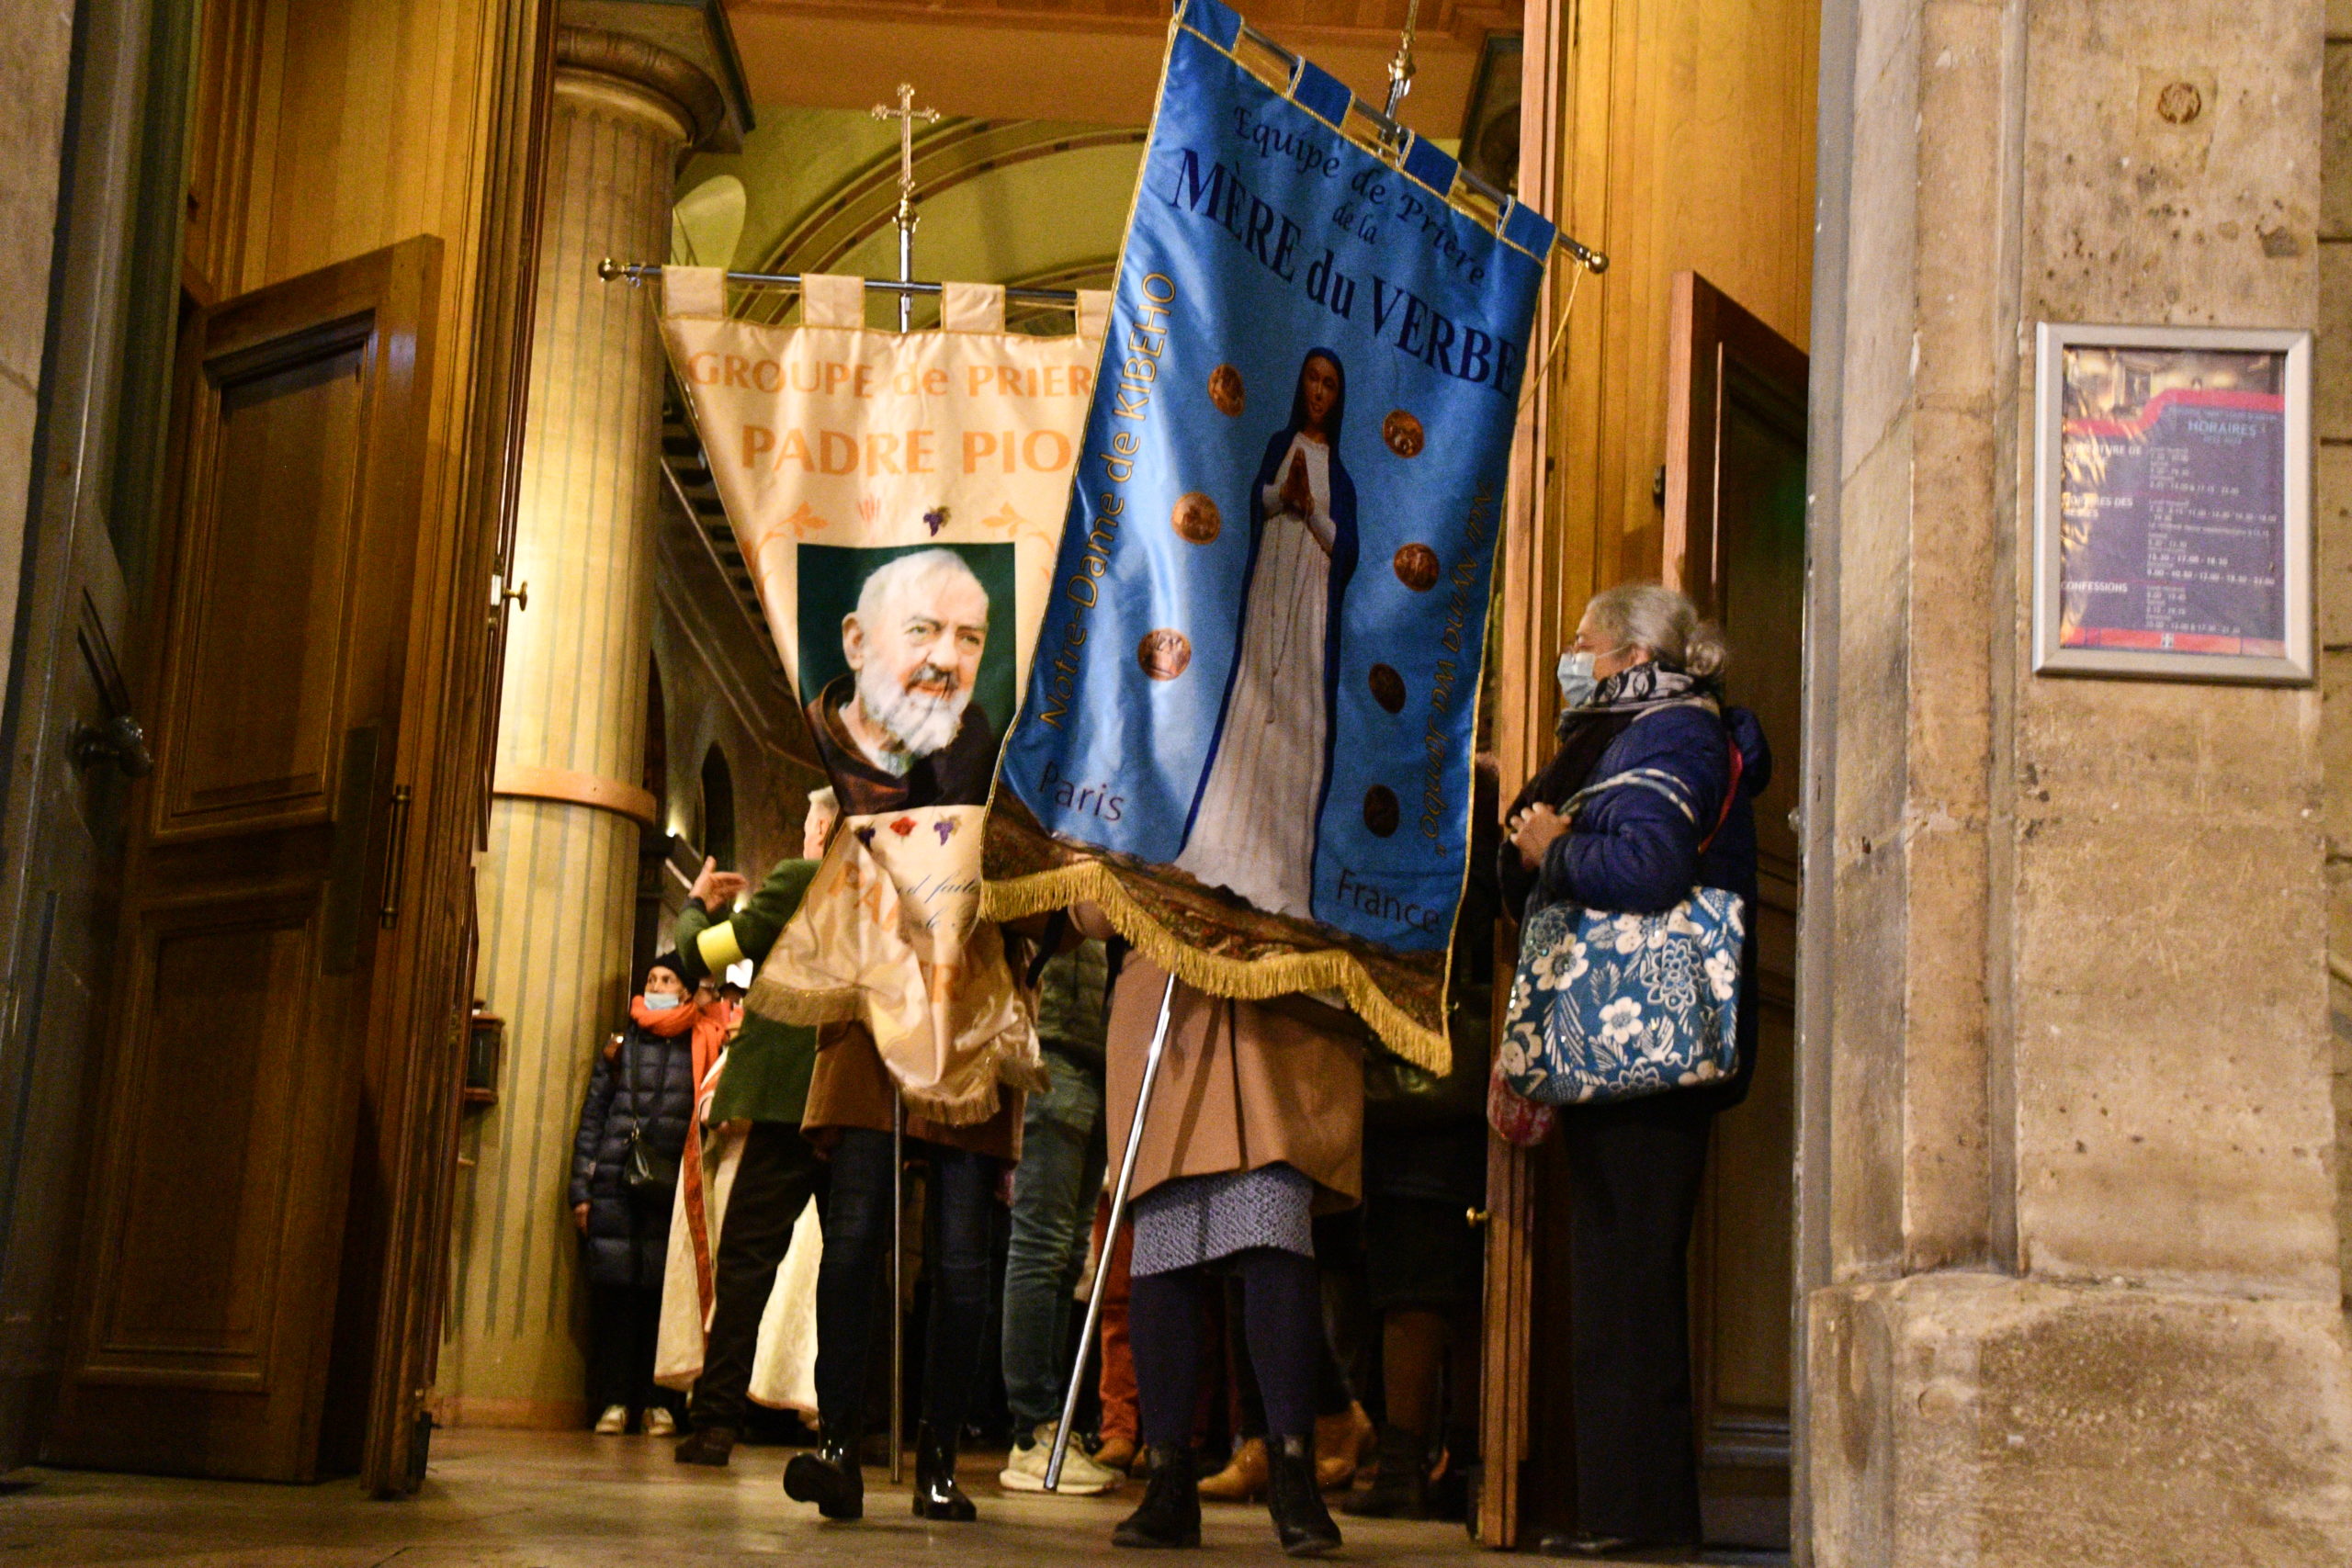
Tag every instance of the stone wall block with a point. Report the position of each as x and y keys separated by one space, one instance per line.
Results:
x=2336 y=753
x=2332 y=346
x=2024 y=1425
x=1881 y=344
x=2335 y=143
x=1944 y=1128
x=1874 y=668
x=2233 y=751
x=1867 y=1070
x=2133 y=216
x=2176 y=1123
x=2332 y=562
x=1952 y=581
x=1959 y=202
x=2339 y=921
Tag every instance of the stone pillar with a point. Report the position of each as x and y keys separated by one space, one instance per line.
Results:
x=2070 y=1231
x=558 y=886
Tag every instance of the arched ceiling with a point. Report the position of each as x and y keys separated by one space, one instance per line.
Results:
x=1041 y=203
x=1092 y=61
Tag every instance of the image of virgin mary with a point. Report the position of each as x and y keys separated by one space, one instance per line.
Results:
x=1252 y=827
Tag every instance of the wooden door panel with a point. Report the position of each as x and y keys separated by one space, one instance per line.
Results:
x=282 y=441
x=258 y=878
x=1735 y=541
x=216 y=1067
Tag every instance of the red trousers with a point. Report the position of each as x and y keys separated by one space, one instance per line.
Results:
x=1118 y=1380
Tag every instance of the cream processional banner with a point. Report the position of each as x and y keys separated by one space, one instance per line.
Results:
x=899 y=498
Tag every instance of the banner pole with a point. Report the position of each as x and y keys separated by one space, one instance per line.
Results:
x=1110 y=1237
x=897 y=1284
x=906 y=113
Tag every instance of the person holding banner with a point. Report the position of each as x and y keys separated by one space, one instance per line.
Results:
x=1262 y=1127
x=851 y=1114
x=766 y=1083
x=1253 y=827
x=1641 y=690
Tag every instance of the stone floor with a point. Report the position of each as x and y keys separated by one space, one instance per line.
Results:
x=564 y=1500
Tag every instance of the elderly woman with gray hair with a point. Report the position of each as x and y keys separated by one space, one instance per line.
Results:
x=1641 y=688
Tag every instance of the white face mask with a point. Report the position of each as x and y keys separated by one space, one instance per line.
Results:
x=1577 y=683
x=660 y=1001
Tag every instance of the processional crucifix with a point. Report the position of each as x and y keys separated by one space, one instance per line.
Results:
x=906 y=113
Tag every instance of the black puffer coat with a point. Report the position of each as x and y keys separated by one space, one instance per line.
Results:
x=648 y=1081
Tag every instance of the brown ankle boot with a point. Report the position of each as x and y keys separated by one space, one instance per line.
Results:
x=1244 y=1477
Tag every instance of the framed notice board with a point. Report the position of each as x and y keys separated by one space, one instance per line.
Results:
x=2173 y=520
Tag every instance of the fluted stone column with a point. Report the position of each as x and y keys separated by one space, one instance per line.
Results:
x=558 y=886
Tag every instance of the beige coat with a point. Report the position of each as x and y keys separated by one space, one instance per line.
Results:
x=850 y=1089
x=1242 y=1085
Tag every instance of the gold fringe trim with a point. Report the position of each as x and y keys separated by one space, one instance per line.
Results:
x=1007 y=1063
x=780 y=1003
x=1249 y=980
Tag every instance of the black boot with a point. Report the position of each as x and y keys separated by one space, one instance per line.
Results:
x=1401 y=1490
x=1301 y=1520
x=829 y=1477
x=706 y=1445
x=1170 y=1514
x=936 y=1494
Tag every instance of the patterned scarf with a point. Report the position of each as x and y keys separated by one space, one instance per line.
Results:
x=1635 y=688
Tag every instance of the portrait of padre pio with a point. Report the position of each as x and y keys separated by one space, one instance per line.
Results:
x=897 y=718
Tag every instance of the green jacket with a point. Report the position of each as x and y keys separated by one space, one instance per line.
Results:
x=1070 y=1015
x=769 y=1063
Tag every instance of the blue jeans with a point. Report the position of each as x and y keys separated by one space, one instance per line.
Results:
x=1053 y=1209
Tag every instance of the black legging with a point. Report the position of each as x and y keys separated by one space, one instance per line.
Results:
x=1332 y=1394
x=1282 y=1316
x=858 y=1217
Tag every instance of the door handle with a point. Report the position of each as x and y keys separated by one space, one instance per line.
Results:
x=396 y=853
x=121 y=740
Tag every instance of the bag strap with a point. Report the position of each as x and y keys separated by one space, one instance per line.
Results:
x=1731 y=792
x=628 y=1067
x=1656 y=780
x=1659 y=782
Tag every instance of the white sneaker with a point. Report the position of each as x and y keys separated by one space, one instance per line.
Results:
x=1024 y=1467
x=613 y=1421
x=660 y=1423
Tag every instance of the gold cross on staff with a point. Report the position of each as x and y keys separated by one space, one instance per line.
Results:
x=906 y=113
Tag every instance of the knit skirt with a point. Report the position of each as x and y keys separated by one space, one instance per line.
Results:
x=1199 y=1219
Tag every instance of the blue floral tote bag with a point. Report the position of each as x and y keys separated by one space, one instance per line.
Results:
x=1614 y=1006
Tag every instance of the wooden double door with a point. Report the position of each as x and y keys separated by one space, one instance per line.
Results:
x=261 y=887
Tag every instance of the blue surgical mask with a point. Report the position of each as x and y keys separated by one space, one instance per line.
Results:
x=661 y=1002
x=1577 y=683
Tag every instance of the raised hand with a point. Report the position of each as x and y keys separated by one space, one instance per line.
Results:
x=714 y=888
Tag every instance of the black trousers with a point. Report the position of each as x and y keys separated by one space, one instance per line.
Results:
x=1636 y=1169
x=859 y=1218
x=623 y=1321
x=774 y=1180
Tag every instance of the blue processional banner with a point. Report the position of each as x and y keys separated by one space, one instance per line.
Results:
x=1248 y=729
